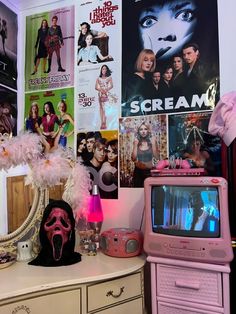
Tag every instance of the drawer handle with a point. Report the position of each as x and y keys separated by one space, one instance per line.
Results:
x=115 y=295
x=187 y=284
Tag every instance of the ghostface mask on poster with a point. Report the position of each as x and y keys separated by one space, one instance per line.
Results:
x=57 y=236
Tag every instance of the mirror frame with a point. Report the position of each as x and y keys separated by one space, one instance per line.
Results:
x=29 y=230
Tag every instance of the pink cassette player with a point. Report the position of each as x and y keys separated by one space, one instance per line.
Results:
x=121 y=242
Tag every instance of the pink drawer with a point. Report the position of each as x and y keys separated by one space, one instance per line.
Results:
x=189 y=284
x=166 y=308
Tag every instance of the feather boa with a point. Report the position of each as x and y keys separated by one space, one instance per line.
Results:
x=49 y=170
x=77 y=189
x=19 y=150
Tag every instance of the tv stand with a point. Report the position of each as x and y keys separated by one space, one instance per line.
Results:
x=179 y=286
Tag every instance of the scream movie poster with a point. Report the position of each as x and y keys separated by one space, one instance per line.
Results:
x=170 y=56
x=50 y=49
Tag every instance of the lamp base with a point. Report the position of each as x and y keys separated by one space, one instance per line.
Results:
x=96 y=226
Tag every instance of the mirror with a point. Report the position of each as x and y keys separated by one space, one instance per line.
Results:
x=16 y=199
x=29 y=228
x=20 y=220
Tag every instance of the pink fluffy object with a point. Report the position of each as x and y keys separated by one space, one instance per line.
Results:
x=77 y=189
x=20 y=149
x=50 y=170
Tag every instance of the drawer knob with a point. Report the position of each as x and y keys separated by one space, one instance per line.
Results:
x=111 y=293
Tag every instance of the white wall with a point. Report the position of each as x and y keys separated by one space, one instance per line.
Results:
x=127 y=211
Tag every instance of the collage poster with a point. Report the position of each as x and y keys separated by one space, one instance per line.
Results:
x=50 y=49
x=8 y=47
x=98 y=60
x=59 y=105
x=170 y=56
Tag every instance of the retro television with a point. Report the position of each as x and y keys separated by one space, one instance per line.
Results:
x=186 y=217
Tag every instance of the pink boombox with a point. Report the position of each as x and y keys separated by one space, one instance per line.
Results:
x=121 y=242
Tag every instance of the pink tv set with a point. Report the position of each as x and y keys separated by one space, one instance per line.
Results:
x=186 y=217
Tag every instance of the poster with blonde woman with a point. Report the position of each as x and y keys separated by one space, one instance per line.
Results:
x=169 y=29
x=143 y=142
x=98 y=97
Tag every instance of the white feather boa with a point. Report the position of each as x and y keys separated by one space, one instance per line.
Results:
x=77 y=189
x=20 y=149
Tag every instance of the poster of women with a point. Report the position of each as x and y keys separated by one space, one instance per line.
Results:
x=143 y=142
x=49 y=50
x=170 y=56
x=8 y=47
x=50 y=114
x=189 y=139
x=98 y=99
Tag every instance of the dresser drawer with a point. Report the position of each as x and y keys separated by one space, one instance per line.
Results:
x=56 y=303
x=113 y=291
x=134 y=306
x=166 y=308
x=189 y=284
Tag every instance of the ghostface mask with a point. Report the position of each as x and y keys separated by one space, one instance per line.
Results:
x=57 y=236
x=58 y=229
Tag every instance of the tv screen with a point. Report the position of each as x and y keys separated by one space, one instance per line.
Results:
x=191 y=211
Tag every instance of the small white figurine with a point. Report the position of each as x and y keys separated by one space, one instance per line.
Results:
x=24 y=251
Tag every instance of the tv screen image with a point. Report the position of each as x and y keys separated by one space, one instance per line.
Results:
x=187 y=218
x=185 y=211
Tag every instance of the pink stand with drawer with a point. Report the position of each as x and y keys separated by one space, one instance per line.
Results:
x=185 y=287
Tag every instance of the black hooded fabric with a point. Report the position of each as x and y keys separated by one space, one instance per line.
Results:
x=45 y=256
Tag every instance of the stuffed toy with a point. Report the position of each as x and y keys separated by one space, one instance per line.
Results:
x=57 y=236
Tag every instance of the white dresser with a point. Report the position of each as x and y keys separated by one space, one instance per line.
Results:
x=184 y=287
x=98 y=284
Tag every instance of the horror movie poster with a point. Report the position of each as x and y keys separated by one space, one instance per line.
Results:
x=189 y=139
x=170 y=56
x=8 y=47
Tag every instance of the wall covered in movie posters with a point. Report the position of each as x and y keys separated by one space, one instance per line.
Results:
x=8 y=71
x=170 y=68
x=144 y=90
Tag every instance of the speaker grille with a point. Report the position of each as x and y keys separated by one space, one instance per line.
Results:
x=131 y=246
x=218 y=253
